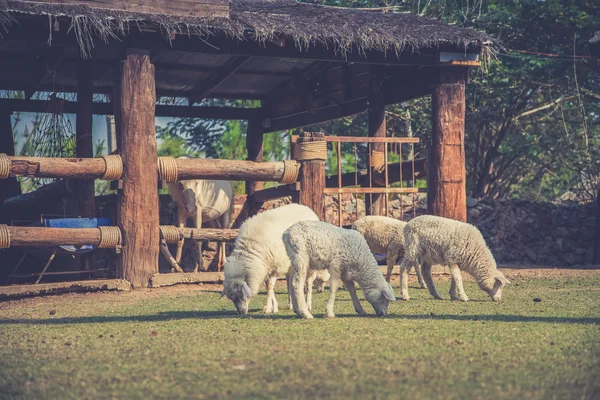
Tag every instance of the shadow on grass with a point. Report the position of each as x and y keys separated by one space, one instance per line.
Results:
x=256 y=314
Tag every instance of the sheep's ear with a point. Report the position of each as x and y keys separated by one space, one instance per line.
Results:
x=246 y=290
x=388 y=293
x=499 y=276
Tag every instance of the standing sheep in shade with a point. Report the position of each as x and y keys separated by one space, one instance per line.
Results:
x=259 y=255
x=386 y=235
x=203 y=200
x=314 y=245
x=460 y=246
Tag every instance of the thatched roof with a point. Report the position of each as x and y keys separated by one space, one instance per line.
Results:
x=305 y=24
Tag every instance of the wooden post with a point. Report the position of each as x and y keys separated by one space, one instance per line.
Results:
x=596 y=243
x=312 y=178
x=446 y=186
x=254 y=146
x=86 y=202
x=8 y=187
x=377 y=128
x=137 y=214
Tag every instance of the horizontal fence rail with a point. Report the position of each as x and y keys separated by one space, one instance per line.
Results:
x=27 y=236
x=110 y=168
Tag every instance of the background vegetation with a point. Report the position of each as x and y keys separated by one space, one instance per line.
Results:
x=533 y=114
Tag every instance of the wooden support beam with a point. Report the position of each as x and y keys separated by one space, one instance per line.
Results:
x=70 y=107
x=446 y=186
x=273 y=193
x=312 y=178
x=137 y=210
x=210 y=85
x=208 y=234
x=376 y=203
x=84 y=143
x=41 y=236
x=254 y=147
x=51 y=167
x=232 y=170
x=8 y=187
x=317 y=115
x=180 y=8
x=55 y=55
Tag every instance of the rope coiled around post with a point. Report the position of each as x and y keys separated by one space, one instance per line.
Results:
x=304 y=151
x=110 y=237
x=170 y=234
x=167 y=169
x=114 y=167
x=4 y=166
x=4 y=237
x=291 y=169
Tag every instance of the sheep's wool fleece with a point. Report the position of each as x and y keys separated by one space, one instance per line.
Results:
x=379 y=231
x=214 y=198
x=259 y=249
x=339 y=250
x=446 y=241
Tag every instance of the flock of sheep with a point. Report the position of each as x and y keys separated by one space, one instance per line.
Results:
x=291 y=241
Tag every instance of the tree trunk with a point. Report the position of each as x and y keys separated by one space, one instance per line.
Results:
x=375 y=203
x=86 y=204
x=137 y=214
x=446 y=189
x=312 y=178
x=254 y=146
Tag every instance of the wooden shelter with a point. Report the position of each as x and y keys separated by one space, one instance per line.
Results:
x=305 y=63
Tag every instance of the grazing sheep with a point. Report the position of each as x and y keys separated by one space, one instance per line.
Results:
x=259 y=255
x=314 y=245
x=207 y=201
x=386 y=235
x=437 y=240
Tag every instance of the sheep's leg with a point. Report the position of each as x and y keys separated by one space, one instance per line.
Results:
x=181 y=219
x=453 y=289
x=457 y=281
x=288 y=279
x=349 y=284
x=199 y=243
x=299 y=272
x=420 y=276
x=271 y=306
x=392 y=256
x=309 y=288
x=426 y=269
x=404 y=267
x=333 y=287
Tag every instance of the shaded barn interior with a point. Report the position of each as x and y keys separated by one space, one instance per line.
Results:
x=304 y=64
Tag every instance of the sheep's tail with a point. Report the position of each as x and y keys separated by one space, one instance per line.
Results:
x=412 y=245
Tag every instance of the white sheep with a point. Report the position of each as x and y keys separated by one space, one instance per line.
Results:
x=460 y=246
x=314 y=245
x=259 y=255
x=386 y=235
x=207 y=201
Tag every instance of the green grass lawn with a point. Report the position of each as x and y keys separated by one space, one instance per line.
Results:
x=186 y=343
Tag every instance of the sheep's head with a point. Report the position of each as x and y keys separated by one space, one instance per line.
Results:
x=322 y=277
x=495 y=287
x=380 y=297
x=189 y=201
x=238 y=291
